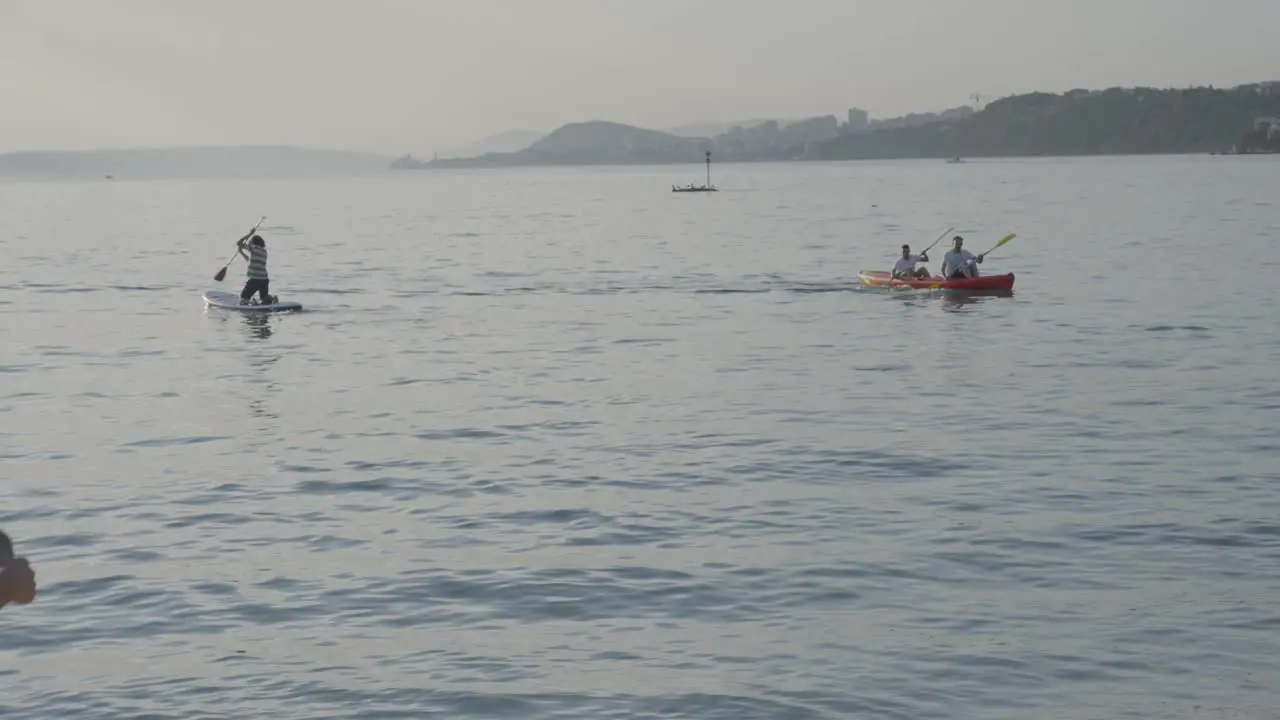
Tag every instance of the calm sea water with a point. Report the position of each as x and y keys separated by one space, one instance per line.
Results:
x=562 y=444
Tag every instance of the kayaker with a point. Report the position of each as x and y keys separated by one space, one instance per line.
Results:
x=905 y=267
x=959 y=263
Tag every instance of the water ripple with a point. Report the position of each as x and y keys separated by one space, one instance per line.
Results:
x=580 y=451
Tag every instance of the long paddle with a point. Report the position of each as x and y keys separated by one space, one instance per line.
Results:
x=1003 y=240
x=218 y=276
x=935 y=242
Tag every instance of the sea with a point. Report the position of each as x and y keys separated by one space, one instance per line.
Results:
x=560 y=443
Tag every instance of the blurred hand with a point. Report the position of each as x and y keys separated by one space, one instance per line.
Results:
x=17 y=583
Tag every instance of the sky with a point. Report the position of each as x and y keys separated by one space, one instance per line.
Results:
x=419 y=76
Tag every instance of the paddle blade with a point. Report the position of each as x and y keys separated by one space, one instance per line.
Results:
x=221 y=274
x=1003 y=240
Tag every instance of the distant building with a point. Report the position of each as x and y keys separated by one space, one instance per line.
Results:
x=1269 y=88
x=1270 y=124
x=814 y=129
x=915 y=119
x=858 y=120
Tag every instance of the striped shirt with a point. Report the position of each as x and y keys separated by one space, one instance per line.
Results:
x=257 y=262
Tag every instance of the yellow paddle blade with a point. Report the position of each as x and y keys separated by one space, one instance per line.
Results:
x=1003 y=240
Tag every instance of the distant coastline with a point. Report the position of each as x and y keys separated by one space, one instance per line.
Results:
x=1243 y=120
x=1116 y=121
x=189 y=162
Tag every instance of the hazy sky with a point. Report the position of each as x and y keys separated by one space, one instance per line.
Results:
x=417 y=76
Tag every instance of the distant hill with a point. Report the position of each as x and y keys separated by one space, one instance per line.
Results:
x=603 y=139
x=190 y=162
x=510 y=141
x=1082 y=122
x=595 y=142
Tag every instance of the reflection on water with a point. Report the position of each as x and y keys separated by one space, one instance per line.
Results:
x=954 y=300
x=950 y=299
x=259 y=324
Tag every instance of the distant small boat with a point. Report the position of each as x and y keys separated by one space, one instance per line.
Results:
x=955 y=160
x=698 y=188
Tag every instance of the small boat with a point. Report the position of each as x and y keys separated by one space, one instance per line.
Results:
x=698 y=188
x=880 y=278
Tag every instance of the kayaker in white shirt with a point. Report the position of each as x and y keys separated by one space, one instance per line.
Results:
x=905 y=267
x=960 y=263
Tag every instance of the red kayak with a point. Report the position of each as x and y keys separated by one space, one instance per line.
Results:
x=880 y=278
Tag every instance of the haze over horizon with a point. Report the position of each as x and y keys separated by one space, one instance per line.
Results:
x=397 y=76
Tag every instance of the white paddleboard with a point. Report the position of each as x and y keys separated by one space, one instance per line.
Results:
x=231 y=301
